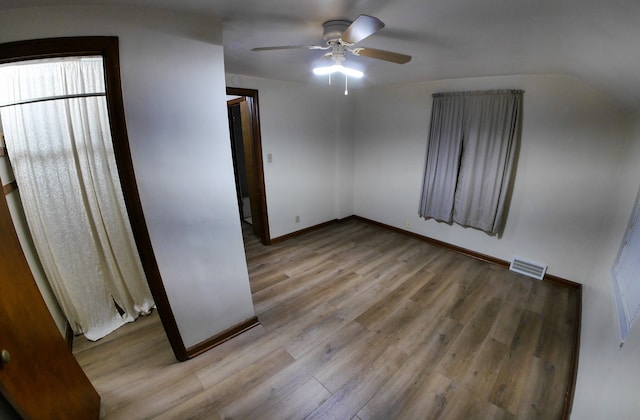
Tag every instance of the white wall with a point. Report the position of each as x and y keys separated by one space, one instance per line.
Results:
x=344 y=110
x=307 y=129
x=174 y=97
x=608 y=376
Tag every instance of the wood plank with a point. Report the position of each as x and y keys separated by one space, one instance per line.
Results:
x=484 y=287
x=508 y=319
x=279 y=386
x=431 y=397
x=461 y=355
x=223 y=391
x=300 y=309
x=289 y=289
x=300 y=403
x=517 y=369
x=388 y=302
x=538 y=394
x=153 y=394
x=355 y=358
x=465 y=404
x=235 y=358
x=353 y=395
x=484 y=368
x=401 y=389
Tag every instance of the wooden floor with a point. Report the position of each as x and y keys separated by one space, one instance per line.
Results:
x=358 y=322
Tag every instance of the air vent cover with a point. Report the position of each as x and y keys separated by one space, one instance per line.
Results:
x=528 y=267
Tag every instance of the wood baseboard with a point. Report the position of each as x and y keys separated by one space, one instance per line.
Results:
x=477 y=255
x=302 y=231
x=218 y=339
x=465 y=251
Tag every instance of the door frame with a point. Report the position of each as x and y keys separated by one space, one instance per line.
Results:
x=251 y=96
x=107 y=47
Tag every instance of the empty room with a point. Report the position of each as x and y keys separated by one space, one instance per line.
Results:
x=336 y=209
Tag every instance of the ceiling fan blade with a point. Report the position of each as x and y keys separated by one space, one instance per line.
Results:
x=382 y=55
x=363 y=27
x=291 y=47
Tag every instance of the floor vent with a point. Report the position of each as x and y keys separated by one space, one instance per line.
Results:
x=528 y=268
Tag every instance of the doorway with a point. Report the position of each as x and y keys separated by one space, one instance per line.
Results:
x=107 y=48
x=56 y=123
x=246 y=147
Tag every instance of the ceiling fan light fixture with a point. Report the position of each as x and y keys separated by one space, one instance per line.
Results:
x=341 y=37
x=338 y=68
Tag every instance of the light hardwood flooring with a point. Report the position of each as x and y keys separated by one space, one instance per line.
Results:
x=357 y=322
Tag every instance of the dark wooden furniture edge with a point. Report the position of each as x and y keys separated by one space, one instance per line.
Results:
x=226 y=335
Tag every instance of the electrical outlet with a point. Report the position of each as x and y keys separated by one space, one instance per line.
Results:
x=297 y=219
x=407 y=224
x=269 y=158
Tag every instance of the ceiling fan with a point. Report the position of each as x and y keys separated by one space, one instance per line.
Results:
x=341 y=37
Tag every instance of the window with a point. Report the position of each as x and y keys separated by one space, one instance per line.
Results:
x=471 y=153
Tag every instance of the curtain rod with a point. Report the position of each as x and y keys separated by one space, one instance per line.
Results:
x=480 y=92
x=54 y=98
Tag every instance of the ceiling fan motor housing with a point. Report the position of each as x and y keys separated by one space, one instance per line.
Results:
x=333 y=29
x=341 y=35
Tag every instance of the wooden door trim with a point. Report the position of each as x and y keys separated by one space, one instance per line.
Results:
x=234 y=153
x=257 y=161
x=107 y=47
x=11 y=186
x=235 y=101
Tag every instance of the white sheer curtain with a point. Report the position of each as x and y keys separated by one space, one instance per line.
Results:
x=470 y=157
x=62 y=156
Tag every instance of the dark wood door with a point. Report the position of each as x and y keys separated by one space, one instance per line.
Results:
x=252 y=182
x=42 y=379
x=250 y=123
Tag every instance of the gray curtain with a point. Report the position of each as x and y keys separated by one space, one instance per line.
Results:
x=470 y=157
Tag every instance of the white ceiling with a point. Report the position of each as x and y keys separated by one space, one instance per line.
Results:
x=596 y=41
